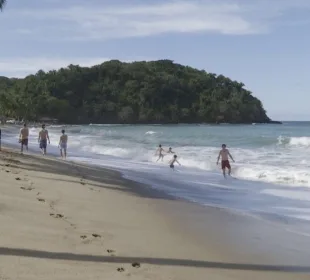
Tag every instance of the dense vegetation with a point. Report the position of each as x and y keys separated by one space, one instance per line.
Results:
x=139 y=92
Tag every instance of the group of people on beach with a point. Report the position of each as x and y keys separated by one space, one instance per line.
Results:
x=43 y=138
x=224 y=154
x=161 y=153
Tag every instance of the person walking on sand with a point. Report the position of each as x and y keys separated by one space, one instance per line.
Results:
x=63 y=144
x=42 y=139
x=224 y=154
x=171 y=163
x=23 y=138
x=160 y=152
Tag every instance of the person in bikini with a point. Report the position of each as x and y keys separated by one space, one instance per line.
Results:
x=23 y=137
x=224 y=154
x=174 y=159
x=160 y=152
x=63 y=144
x=43 y=138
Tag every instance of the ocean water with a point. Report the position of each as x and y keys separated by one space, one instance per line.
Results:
x=271 y=175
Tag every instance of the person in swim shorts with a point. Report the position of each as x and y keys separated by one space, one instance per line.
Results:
x=63 y=144
x=160 y=152
x=43 y=138
x=224 y=154
x=174 y=159
x=23 y=138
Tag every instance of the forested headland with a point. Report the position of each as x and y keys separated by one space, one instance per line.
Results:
x=132 y=93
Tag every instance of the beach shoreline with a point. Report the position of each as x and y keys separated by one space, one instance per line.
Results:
x=65 y=220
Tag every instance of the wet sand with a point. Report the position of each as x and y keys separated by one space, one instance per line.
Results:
x=63 y=220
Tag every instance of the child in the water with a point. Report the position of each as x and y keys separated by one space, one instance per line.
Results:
x=170 y=151
x=160 y=152
x=174 y=159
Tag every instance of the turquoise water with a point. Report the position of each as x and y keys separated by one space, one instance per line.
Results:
x=272 y=164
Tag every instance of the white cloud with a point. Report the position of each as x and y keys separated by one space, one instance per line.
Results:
x=173 y=17
x=98 y=22
x=101 y=21
x=20 y=67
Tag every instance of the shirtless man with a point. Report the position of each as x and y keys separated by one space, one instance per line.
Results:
x=170 y=151
x=42 y=139
x=224 y=153
x=174 y=159
x=63 y=144
x=23 y=138
x=160 y=152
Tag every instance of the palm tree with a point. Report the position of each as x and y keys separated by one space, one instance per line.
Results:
x=2 y=3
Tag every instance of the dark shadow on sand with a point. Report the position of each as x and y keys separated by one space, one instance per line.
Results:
x=153 y=261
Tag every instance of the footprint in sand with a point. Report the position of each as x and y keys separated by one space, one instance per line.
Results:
x=94 y=190
x=88 y=241
x=41 y=199
x=27 y=189
x=136 y=264
x=19 y=179
x=111 y=252
x=120 y=269
x=57 y=216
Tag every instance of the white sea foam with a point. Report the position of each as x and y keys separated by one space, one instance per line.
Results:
x=300 y=141
x=150 y=132
x=267 y=165
x=275 y=167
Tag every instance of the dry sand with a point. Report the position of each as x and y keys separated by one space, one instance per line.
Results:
x=61 y=220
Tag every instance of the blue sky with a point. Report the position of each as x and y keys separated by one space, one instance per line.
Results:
x=264 y=44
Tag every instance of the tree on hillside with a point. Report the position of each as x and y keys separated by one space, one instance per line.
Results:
x=139 y=92
x=2 y=3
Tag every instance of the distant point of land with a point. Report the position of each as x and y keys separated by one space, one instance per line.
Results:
x=131 y=93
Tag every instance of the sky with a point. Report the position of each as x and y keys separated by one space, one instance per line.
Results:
x=264 y=44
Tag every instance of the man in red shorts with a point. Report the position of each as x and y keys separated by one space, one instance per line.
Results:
x=224 y=153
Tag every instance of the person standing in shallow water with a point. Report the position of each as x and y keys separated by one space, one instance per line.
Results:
x=43 y=138
x=63 y=144
x=23 y=137
x=160 y=152
x=224 y=154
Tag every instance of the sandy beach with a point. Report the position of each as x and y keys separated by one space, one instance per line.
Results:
x=63 y=220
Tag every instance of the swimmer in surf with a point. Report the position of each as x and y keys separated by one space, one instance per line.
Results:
x=63 y=144
x=174 y=159
x=160 y=152
x=170 y=151
x=224 y=154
